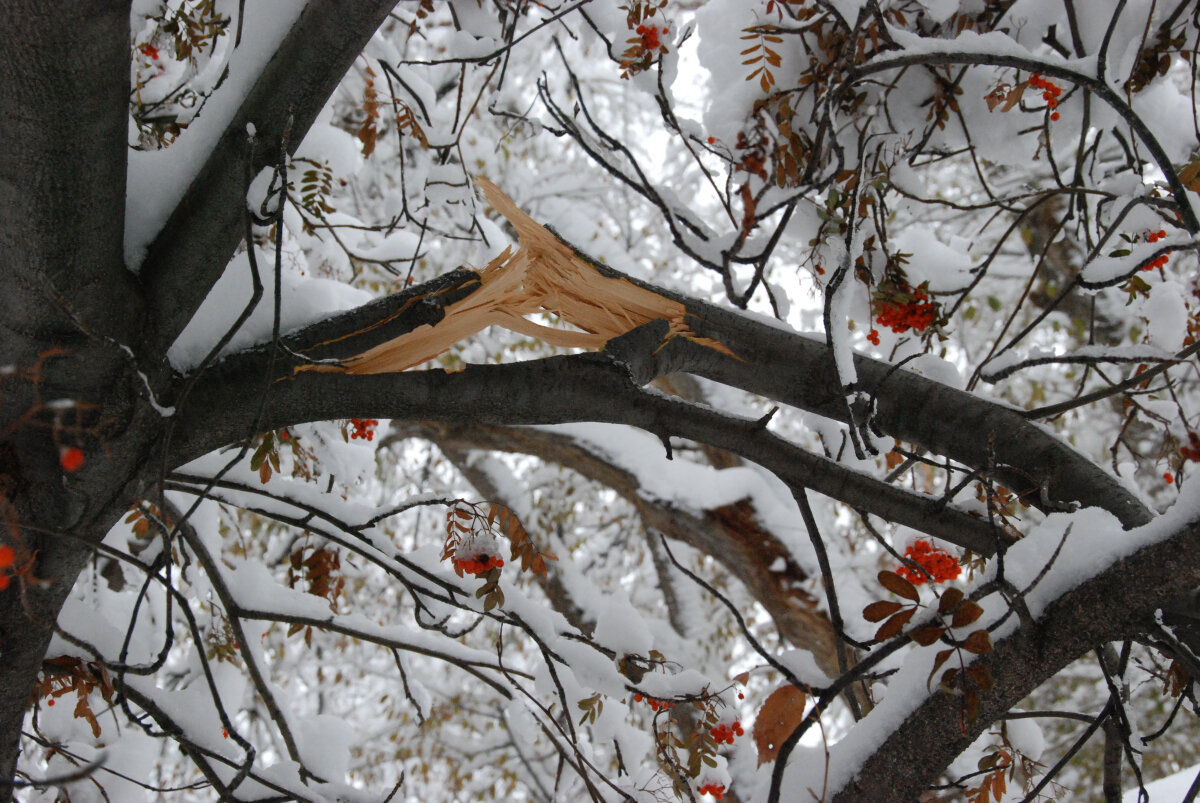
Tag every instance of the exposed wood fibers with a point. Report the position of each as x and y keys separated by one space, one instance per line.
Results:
x=543 y=275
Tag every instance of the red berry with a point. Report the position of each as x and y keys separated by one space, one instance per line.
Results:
x=70 y=458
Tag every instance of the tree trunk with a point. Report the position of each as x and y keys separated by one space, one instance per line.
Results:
x=68 y=303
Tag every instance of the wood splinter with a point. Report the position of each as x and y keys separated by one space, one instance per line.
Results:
x=543 y=275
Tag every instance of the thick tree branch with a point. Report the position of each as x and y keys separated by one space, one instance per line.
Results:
x=67 y=300
x=991 y=438
x=1115 y=604
x=200 y=236
x=583 y=387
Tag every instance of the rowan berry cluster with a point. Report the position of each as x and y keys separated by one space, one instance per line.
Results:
x=938 y=563
x=1050 y=91
x=8 y=559
x=1159 y=261
x=363 y=428
x=650 y=34
x=725 y=732
x=481 y=564
x=655 y=705
x=908 y=309
x=873 y=336
x=715 y=789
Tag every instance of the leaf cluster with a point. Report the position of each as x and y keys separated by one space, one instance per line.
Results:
x=65 y=674
x=319 y=568
x=952 y=613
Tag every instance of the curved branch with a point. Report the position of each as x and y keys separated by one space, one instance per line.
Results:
x=770 y=361
x=583 y=387
x=1098 y=85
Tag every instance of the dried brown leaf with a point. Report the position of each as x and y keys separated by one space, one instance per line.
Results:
x=967 y=613
x=928 y=634
x=878 y=611
x=777 y=719
x=938 y=660
x=898 y=586
x=949 y=601
x=1014 y=97
x=978 y=642
x=981 y=675
x=893 y=626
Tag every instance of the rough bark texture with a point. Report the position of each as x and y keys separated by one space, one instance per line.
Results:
x=66 y=298
x=198 y=239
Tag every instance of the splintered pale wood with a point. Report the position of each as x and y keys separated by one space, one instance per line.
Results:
x=543 y=275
